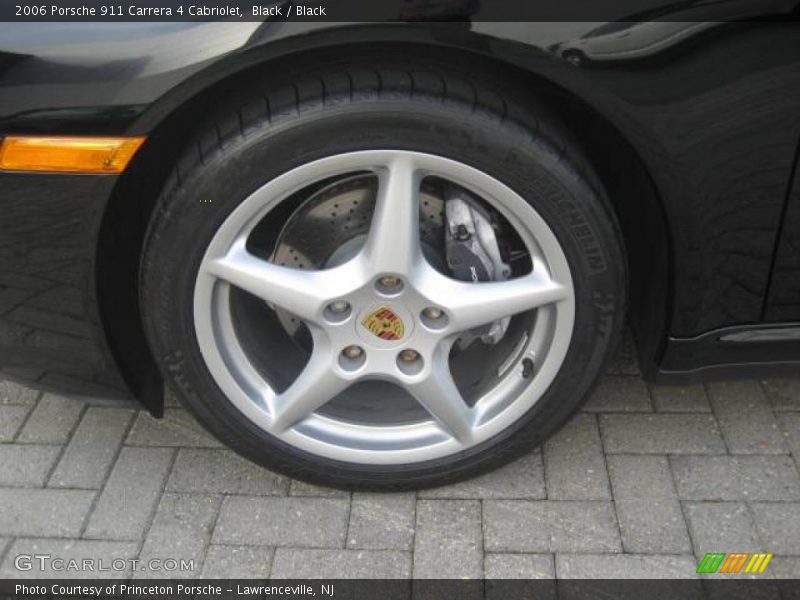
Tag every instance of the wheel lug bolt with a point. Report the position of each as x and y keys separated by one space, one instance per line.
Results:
x=339 y=306
x=353 y=351
x=390 y=282
x=432 y=313
x=409 y=355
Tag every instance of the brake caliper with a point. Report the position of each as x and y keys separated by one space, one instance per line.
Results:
x=473 y=253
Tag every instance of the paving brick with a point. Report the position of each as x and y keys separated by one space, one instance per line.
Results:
x=625 y=566
x=110 y=560
x=222 y=471
x=625 y=360
x=745 y=418
x=524 y=478
x=661 y=434
x=550 y=526
x=790 y=424
x=11 y=419
x=51 y=421
x=778 y=524
x=641 y=476
x=650 y=516
x=42 y=512
x=574 y=462
x=26 y=465
x=736 y=477
x=382 y=522
x=237 y=562
x=518 y=526
x=301 y=488
x=674 y=398
x=448 y=541
x=127 y=501
x=721 y=527
x=620 y=394
x=783 y=394
x=297 y=563
x=4 y=544
x=92 y=449
x=14 y=393
x=181 y=530
x=177 y=429
x=276 y=521
x=652 y=526
x=783 y=567
x=519 y=566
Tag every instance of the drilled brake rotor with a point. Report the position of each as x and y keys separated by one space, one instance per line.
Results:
x=331 y=225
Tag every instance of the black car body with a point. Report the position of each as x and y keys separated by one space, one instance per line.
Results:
x=693 y=131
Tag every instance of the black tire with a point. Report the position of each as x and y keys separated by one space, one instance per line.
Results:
x=575 y=57
x=357 y=104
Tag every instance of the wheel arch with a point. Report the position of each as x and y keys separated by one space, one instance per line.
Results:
x=172 y=118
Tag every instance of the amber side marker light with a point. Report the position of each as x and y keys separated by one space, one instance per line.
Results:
x=67 y=154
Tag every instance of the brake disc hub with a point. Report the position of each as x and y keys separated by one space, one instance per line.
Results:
x=456 y=230
x=331 y=225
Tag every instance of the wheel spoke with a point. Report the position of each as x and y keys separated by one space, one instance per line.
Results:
x=439 y=395
x=303 y=293
x=393 y=242
x=474 y=304
x=316 y=384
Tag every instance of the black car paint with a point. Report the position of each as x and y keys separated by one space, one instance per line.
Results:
x=706 y=131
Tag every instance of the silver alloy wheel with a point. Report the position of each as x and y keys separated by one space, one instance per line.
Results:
x=392 y=249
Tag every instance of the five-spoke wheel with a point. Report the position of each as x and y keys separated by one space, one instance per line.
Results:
x=385 y=314
x=388 y=275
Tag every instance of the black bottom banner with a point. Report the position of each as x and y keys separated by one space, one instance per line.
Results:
x=423 y=589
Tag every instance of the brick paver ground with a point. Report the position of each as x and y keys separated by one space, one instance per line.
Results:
x=642 y=482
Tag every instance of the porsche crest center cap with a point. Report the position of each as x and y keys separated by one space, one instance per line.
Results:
x=384 y=325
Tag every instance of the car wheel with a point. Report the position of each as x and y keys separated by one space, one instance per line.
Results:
x=381 y=277
x=576 y=58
